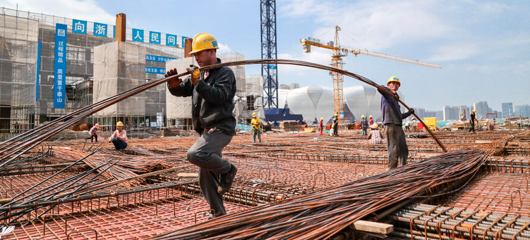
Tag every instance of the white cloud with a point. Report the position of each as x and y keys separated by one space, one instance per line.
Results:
x=454 y=52
x=78 y=9
x=223 y=48
x=374 y=25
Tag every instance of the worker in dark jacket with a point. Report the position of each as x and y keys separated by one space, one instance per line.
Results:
x=336 y=125
x=364 y=126
x=393 y=122
x=212 y=93
x=472 y=120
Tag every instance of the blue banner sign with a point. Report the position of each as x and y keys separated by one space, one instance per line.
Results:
x=59 y=82
x=138 y=35
x=38 y=71
x=79 y=26
x=155 y=70
x=171 y=40
x=154 y=37
x=154 y=58
x=100 y=29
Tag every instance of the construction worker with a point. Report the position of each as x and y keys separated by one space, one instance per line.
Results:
x=93 y=133
x=472 y=120
x=321 y=127
x=119 y=137
x=256 y=127
x=371 y=120
x=212 y=93
x=375 y=136
x=336 y=125
x=364 y=125
x=393 y=123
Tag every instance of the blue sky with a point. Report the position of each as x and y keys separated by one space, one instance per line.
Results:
x=483 y=46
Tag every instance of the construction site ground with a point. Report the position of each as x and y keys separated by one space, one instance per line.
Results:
x=283 y=166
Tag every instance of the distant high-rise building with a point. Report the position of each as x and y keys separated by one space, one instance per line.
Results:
x=420 y=112
x=439 y=115
x=524 y=110
x=482 y=109
x=295 y=85
x=507 y=109
x=450 y=113
x=430 y=114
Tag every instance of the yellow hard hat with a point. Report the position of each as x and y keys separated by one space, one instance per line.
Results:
x=393 y=79
x=203 y=41
x=474 y=110
x=362 y=116
x=370 y=116
x=254 y=114
x=97 y=124
x=335 y=114
x=119 y=124
x=375 y=125
x=321 y=119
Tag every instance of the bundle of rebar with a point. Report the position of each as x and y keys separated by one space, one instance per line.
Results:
x=323 y=214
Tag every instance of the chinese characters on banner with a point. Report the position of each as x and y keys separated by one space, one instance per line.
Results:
x=155 y=70
x=59 y=82
x=154 y=58
x=100 y=29
x=79 y=26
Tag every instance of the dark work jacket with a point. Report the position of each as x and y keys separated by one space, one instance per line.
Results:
x=390 y=109
x=212 y=100
x=364 y=124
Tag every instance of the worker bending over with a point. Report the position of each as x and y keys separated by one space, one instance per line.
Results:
x=93 y=133
x=472 y=120
x=393 y=121
x=212 y=92
x=256 y=127
x=119 y=137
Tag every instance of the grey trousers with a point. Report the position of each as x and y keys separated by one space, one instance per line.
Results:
x=206 y=153
x=258 y=133
x=397 y=145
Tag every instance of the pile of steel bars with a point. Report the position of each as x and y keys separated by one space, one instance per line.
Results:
x=322 y=214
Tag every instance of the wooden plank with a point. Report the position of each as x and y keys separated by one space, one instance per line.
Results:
x=373 y=227
x=188 y=175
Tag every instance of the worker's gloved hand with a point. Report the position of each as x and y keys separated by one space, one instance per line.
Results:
x=195 y=74
x=411 y=111
x=173 y=83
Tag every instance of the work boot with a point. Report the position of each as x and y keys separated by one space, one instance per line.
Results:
x=226 y=180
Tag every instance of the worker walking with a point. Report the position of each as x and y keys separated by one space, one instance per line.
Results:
x=364 y=125
x=472 y=120
x=93 y=133
x=212 y=93
x=256 y=127
x=336 y=125
x=321 y=127
x=393 y=122
x=375 y=136
x=371 y=120
x=119 y=137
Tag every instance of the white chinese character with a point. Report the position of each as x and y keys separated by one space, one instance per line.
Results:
x=154 y=37
x=60 y=49
x=60 y=54
x=59 y=94
x=100 y=29
x=171 y=39
x=59 y=88
x=60 y=60
x=59 y=83
x=138 y=36
x=80 y=27
x=60 y=71
x=60 y=77
x=61 y=32
x=59 y=100
x=61 y=43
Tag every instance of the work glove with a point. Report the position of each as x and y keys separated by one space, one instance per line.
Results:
x=411 y=111
x=173 y=83
x=195 y=74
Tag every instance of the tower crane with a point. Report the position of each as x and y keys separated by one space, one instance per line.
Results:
x=336 y=61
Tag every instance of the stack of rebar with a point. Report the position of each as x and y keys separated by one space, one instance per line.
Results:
x=323 y=214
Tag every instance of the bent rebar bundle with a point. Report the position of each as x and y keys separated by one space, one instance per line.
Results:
x=323 y=214
x=13 y=148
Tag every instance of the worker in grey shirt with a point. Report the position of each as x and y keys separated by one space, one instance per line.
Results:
x=393 y=121
x=212 y=93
